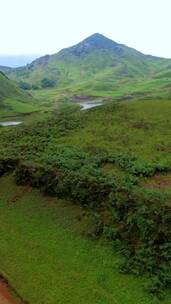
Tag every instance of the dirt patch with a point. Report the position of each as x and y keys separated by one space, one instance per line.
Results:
x=8 y=294
x=19 y=195
x=158 y=181
x=5 y=295
x=82 y=98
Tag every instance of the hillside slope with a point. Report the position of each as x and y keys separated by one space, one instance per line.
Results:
x=13 y=100
x=8 y=88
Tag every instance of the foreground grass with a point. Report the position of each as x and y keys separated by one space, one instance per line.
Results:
x=47 y=258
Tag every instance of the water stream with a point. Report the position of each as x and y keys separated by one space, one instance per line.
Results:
x=85 y=105
x=9 y=123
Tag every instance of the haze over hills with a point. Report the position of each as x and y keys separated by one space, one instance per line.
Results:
x=96 y=66
x=16 y=60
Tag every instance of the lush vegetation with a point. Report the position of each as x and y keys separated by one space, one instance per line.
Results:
x=47 y=257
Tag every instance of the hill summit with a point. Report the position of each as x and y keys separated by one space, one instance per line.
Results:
x=94 y=42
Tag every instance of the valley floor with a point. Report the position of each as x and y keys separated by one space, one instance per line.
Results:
x=47 y=257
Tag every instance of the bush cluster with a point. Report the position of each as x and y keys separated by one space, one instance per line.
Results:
x=141 y=225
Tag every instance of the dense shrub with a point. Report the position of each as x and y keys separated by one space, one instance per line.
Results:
x=25 y=85
x=26 y=173
x=7 y=165
x=83 y=188
x=47 y=83
x=142 y=224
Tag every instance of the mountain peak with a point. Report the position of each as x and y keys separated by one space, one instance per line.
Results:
x=94 y=42
x=99 y=41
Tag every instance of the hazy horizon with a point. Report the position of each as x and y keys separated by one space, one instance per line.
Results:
x=46 y=27
x=18 y=60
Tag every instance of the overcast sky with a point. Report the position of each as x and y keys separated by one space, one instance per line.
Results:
x=46 y=26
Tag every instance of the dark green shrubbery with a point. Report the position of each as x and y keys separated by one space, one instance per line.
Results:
x=142 y=227
x=147 y=169
x=124 y=161
x=25 y=85
x=134 y=166
x=7 y=165
x=83 y=187
x=47 y=83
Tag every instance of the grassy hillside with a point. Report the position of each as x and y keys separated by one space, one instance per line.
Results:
x=48 y=259
x=8 y=88
x=13 y=100
x=98 y=66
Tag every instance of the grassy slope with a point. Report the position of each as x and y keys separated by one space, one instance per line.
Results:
x=48 y=260
x=137 y=127
x=13 y=100
x=8 y=88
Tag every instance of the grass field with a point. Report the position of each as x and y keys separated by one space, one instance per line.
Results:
x=47 y=258
x=12 y=107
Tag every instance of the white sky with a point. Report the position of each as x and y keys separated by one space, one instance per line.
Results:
x=46 y=26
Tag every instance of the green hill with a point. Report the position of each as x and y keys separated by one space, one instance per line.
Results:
x=8 y=88
x=95 y=66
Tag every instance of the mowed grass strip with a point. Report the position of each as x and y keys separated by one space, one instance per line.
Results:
x=47 y=259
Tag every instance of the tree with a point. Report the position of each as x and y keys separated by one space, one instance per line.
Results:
x=47 y=83
x=25 y=85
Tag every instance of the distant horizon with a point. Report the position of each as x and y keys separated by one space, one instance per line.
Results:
x=17 y=60
x=41 y=54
